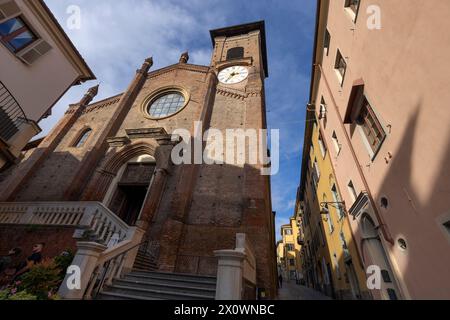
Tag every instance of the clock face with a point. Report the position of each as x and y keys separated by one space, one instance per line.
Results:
x=233 y=75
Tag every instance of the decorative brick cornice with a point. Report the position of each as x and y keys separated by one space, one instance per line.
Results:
x=103 y=104
x=231 y=93
x=236 y=94
x=254 y=94
x=95 y=106
x=72 y=108
x=178 y=66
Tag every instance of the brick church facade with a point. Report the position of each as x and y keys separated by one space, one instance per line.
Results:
x=118 y=152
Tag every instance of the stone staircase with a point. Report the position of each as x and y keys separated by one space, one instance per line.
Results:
x=151 y=285
x=144 y=262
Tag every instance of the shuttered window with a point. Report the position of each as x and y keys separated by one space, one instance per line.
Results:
x=371 y=127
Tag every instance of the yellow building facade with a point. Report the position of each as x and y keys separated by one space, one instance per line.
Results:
x=329 y=256
x=280 y=257
x=290 y=266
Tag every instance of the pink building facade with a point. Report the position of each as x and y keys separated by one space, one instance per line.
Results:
x=380 y=89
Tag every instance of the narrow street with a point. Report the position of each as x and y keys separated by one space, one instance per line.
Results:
x=293 y=291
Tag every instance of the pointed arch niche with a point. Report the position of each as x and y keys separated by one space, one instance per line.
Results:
x=123 y=181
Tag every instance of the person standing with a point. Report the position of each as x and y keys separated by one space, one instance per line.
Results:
x=35 y=258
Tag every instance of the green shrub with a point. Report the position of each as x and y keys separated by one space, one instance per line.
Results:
x=41 y=282
x=4 y=294
x=63 y=261
x=23 y=295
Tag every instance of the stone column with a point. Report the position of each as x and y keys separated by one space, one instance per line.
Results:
x=86 y=260
x=229 y=274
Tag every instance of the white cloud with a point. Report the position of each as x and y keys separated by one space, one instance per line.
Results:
x=200 y=57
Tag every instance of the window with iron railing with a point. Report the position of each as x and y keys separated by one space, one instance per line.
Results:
x=11 y=114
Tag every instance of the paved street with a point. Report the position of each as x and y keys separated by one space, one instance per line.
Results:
x=292 y=291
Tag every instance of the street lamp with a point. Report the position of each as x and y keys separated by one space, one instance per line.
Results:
x=324 y=207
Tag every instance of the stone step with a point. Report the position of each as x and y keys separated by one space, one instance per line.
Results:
x=145 y=293
x=145 y=263
x=145 y=259
x=173 y=277
x=166 y=285
x=122 y=296
x=168 y=281
x=144 y=267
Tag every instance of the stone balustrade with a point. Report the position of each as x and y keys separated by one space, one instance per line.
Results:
x=104 y=226
x=107 y=246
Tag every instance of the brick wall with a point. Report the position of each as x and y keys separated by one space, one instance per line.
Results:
x=56 y=239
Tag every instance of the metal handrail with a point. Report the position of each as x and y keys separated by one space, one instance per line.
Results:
x=11 y=114
x=107 y=265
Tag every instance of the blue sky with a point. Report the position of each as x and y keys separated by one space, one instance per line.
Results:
x=117 y=35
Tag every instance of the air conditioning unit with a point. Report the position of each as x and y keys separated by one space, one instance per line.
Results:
x=32 y=53
x=8 y=8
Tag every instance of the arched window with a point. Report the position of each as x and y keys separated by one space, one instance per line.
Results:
x=235 y=53
x=82 y=139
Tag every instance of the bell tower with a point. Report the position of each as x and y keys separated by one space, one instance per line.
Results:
x=243 y=44
x=234 y=197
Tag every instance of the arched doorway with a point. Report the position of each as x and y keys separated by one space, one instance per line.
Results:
x=373 y=246
x=127 y=192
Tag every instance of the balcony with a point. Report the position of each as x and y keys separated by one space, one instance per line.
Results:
x=16 y=129
x=11 y=114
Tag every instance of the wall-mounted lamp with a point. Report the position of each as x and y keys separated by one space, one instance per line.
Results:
x=324 y=207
